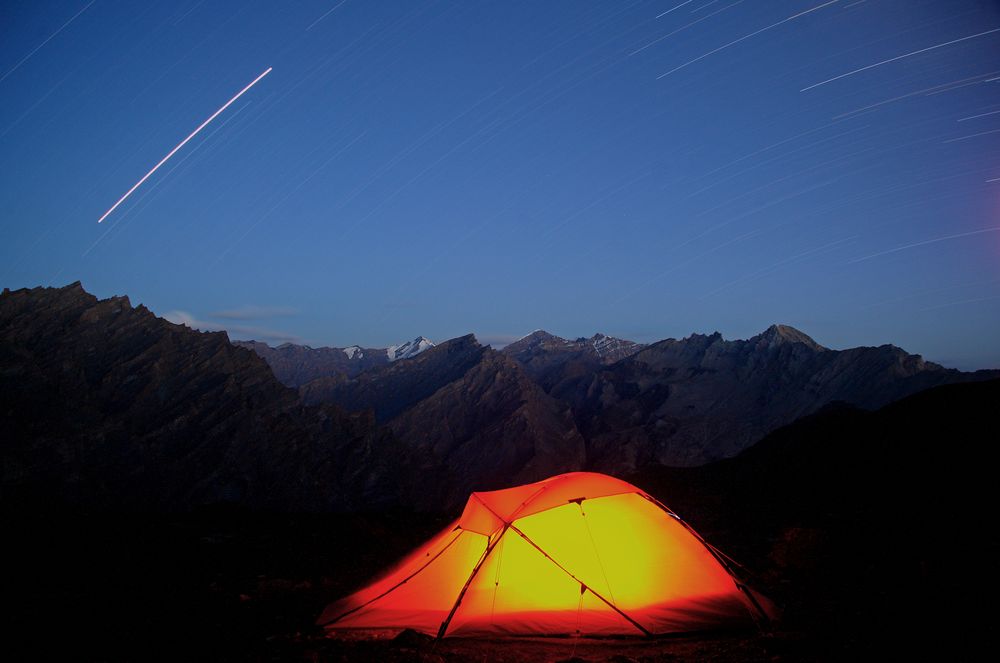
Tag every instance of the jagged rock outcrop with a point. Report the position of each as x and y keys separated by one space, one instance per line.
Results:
x=390 y=389
x=105 y=405
x=701 y=398
x=468 y=408
x=550 y=359
x=493 y=427
x=294 y=365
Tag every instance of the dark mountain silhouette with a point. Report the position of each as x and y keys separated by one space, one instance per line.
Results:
x=702 y=398
x=873 y=529
x=109 y=405
x=106 y=405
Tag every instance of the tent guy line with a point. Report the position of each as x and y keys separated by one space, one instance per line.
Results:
x=183 y=143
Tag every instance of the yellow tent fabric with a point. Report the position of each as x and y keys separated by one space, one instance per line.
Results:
x=579 y=553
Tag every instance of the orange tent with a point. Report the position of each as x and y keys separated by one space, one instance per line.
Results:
x=578 y=553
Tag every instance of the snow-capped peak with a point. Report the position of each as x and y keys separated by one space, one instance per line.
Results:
x=408 y=349
x=354 y=352
x=604 y=344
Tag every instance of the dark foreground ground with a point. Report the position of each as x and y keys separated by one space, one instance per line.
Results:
x=226 y=585
x=876 y=533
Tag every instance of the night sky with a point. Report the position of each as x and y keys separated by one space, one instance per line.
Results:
x=642 y=169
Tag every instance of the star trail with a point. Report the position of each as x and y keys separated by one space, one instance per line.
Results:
x=644 y=169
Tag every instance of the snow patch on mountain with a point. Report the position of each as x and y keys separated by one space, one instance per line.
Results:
x=408 y=349
x=607 y=345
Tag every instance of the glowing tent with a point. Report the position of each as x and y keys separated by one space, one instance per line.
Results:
x=578 y=553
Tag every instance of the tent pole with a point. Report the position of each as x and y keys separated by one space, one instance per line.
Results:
x=472 y=576
x=398 y=584
x=589 y=589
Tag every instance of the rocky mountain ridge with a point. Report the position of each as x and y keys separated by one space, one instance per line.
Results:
x=549 y=359
x=690 y=401
x=472 y=408
x=295 y=365
x=108 y=406
x=675 y=402
x=102 y=399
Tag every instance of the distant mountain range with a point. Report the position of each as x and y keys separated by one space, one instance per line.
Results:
x=550 y=359
x=295 y=365
x=468 y=407
x=103 y=400
x=690 y=401
x=675 y=402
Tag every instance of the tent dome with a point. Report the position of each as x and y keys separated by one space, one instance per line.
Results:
x=578 y=553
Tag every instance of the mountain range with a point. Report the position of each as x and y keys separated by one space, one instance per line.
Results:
x=550 y=359
x=107 y=404
x=702 y=398
x=674 y=402
x=296 y=365
x=868 y=525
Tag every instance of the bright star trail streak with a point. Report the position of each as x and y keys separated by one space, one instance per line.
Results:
x=972 y=117
x=900 y=57
x=183 y=143
x=687 y=2
x=926 y=242
x=981 y=133
x=684 y=27
x=745 y=37
x=337 y=6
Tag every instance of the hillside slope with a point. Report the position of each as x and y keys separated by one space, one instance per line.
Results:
x=109 y=406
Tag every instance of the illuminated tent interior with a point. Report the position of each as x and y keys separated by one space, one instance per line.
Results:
x=576 y=554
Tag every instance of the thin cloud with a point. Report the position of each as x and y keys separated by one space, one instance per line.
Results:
x=497 y=341
x=188 y=320
x=255 y=313
x=242 y=332
x=270 y=336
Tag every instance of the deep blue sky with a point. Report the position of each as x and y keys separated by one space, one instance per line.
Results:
x=440 y=168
